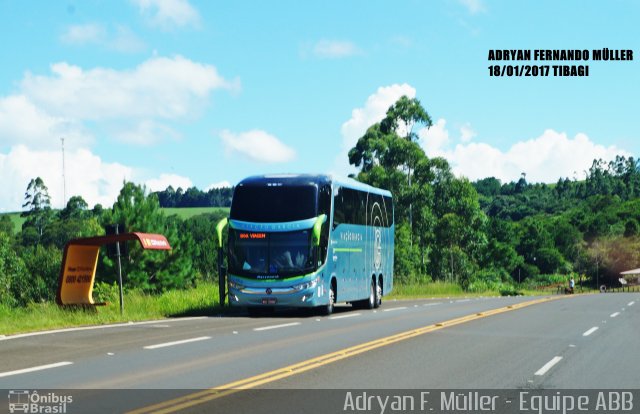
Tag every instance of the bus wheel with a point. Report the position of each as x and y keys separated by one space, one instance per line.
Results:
x=371 y=302
x=328 y=308
x=378 y=298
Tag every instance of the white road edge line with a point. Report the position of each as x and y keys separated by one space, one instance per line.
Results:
x=590 y=331
x=631 y=303
x=33 y=369
x=349 y=315
x=284 y=325
x=88 y=328
x=184 y=341
x=548 y=366
x=613 y=315
x=463 y=300
x=394 y=309
x=432 y=304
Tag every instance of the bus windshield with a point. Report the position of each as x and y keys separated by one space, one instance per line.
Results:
x=274 y=204
x=270 y=255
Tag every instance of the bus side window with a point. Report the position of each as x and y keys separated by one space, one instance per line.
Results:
x=360 y=216
x=338 y=207
x=388 y=209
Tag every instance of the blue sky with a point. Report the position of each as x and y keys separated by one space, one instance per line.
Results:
x=205 y=93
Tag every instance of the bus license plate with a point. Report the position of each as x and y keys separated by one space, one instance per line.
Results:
x=269 y=301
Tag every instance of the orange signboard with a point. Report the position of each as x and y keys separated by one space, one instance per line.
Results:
x=78 y=272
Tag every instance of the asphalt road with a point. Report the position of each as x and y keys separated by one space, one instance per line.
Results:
x=577 y=342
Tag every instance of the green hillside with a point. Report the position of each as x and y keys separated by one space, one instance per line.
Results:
x=185 y=213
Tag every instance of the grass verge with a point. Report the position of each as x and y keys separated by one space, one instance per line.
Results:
x=137 y=307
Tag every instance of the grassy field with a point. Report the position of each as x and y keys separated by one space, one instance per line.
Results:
x=185 y=213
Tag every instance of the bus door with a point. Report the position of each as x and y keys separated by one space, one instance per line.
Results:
x=348 y=242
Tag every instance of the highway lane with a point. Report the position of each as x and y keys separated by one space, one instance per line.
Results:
x=116 y=358
x=506 y=351
x=585 y=342
x=501 y=351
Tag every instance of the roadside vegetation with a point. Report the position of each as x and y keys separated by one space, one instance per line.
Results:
x=139 y=306
x=453 y=236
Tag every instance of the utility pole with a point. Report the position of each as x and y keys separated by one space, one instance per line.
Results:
x=64 y=180
x=119 y=272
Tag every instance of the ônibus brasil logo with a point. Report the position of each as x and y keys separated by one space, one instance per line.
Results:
x=25 y=401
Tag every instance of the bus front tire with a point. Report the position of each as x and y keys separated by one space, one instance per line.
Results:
x=327 y=309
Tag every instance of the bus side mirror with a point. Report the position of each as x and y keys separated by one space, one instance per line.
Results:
x=222 y=270
x=317 y=228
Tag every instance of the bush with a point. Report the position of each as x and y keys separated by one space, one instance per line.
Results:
x=106 y=292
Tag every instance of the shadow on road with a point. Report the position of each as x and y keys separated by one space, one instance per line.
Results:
x=229 y=312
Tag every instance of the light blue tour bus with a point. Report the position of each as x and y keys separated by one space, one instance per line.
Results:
x=298 y=240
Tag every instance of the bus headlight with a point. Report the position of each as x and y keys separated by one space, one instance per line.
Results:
x=235 y=285
x=307 y=285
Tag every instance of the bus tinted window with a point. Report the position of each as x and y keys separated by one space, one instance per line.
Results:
x=274 y=204
x=357 y=207
x=388 y=208
x=350 y=207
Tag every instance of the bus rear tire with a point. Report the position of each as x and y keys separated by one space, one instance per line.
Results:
x=378 y=297
x=370 y=301
x=373 y=297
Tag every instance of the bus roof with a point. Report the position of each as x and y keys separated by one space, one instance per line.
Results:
x=311 y=179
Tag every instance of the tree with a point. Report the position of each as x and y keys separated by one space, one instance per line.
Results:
x=151 y=270
x=76 y=208
x=38 y=204
x=401 y=118
x=489 y=186
x=6 y=225
x=13 y=275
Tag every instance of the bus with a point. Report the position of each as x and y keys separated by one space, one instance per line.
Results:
x=299 y=240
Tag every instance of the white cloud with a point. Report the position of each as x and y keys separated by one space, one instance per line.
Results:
x=545 y=158
x=257 y=145
x=165 y=180
x=21 y=122
x=221 y=184
x=435 y=139
x=83 y=34
x=159 y=87
x=473 y=6
x=168 y=14
x=134 y=105
x=125 y=40
x=86 y=175
x=374 y=110
x=120 y=38
x=144 y=133
x=333 y=49
x=466 y=133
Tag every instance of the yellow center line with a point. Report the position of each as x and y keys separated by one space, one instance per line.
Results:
x=210 y=394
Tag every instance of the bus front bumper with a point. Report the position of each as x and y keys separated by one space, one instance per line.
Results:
x=308 y=294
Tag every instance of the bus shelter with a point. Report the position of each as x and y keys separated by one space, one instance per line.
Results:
x=80 y=260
